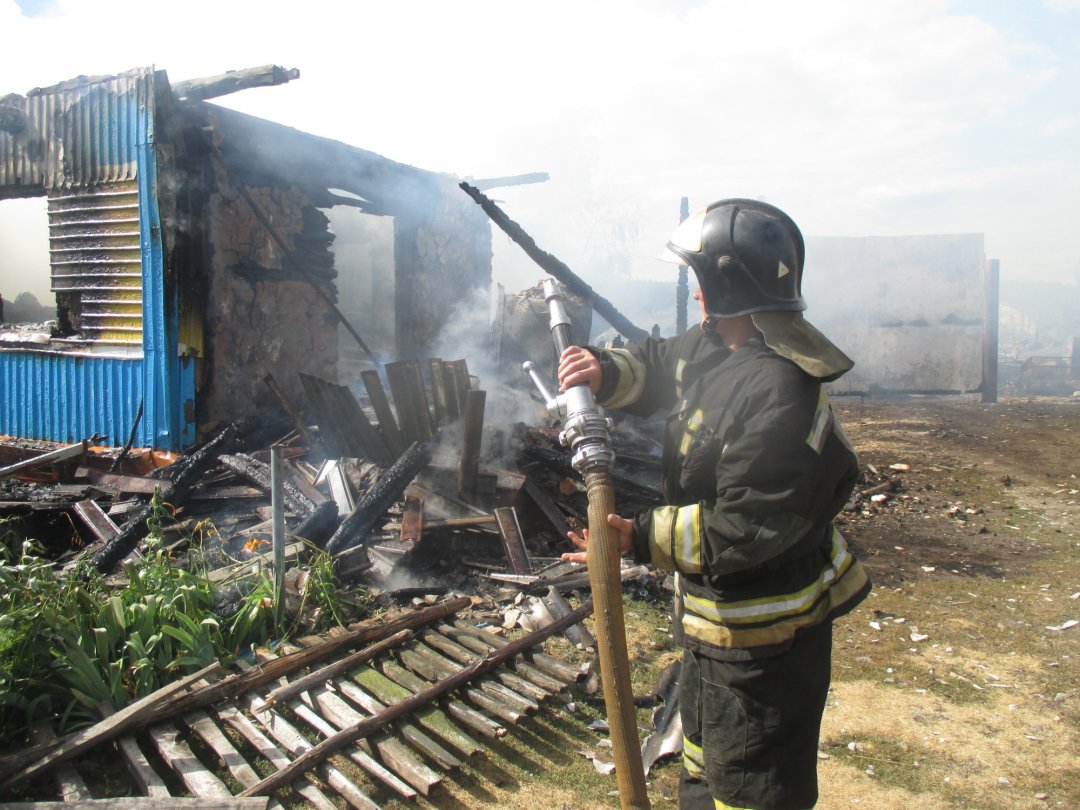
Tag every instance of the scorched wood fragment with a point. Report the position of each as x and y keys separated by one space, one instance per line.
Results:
x=185 y=473
x=372 y=507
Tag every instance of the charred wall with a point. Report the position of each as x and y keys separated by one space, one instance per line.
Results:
x=443 y=257
x=262 y=314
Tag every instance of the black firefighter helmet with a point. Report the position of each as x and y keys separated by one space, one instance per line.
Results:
x=747 y=256
x=748 y=259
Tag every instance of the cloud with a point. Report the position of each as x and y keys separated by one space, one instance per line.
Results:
x=838 y=111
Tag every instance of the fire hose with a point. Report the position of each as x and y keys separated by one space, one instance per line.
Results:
x=586 y=433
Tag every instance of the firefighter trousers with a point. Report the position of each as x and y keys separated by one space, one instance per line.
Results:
x=751 y=727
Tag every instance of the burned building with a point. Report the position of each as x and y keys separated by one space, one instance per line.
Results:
x=191 y=253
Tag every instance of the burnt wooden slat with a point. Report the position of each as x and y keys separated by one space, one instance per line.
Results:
x=468 y=717
x=288 y=736
x=519 y=665
x=394 y=754
x=408 y=730
x=438 y=390
x=426 y=669
x=146 y=778
x=70 y=785
x=544 y=662
x=388 y=425
x=464 y=656
x=513 y=541
x=408 y=391
x=360 y=753
x=430 y=718
x=203 y=725
x=179 y=756
x=274 y=755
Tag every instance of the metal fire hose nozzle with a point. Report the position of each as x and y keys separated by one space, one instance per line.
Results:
x=585 y=431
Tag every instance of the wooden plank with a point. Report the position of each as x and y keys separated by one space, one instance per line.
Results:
x=27 y=764
x=542 y=661
x=468 y=717
x=413 y=735
x=464 y=656
x=370 y=725
x=519 y=665
x=430 y=718
x=388 y=425
x=479 y=697
x=517 y=555
x=361 y=753
x=294 y=742
x=274 y=755
x=69 y=784
x=202 y=724
x=472 y=436
x=129 y=484
x=61 y=454
x=412 y=519
x=146 y=778
x=333 y=670
x=438 y=389
x=340 y=489
x=392 y=751
x=547 y=507
x=178 y=756
x=96 y=520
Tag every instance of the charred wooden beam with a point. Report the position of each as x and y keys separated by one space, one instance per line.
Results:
x=130 y=439
x=378 y=499
x=513 y=180
x=259 y=474
x=472 y=435
x=61 y=454
x=185 y=473
x=556 y=268
x=234 y=80
x=513 y=541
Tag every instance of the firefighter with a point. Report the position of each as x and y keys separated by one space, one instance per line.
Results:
x=755 y=467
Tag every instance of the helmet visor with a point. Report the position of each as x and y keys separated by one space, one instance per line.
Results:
x=686 y=237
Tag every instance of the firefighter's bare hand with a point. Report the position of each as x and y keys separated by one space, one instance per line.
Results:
x=578 y=366
x=623 y=527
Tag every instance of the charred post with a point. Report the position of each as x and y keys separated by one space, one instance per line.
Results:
x=472 y=436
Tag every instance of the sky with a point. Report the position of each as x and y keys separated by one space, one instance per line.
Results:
x=862 y=118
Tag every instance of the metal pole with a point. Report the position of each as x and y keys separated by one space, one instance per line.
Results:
x=277 y=496
x=682 y=290
x=990 y=333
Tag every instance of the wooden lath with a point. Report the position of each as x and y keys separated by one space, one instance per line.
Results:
x=410 y=708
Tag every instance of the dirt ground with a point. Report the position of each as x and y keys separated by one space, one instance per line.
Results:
x=955 y=683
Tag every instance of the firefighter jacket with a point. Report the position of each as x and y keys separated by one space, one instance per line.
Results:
x=755 y=468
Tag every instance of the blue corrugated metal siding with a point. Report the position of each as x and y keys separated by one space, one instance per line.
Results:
x=68 y=399
x=87 y=134
x=79 y=133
